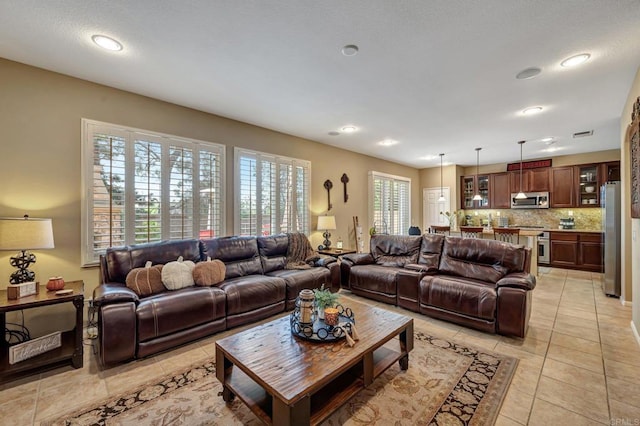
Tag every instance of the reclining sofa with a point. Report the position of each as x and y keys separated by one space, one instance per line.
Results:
x=482 y=284
x=256 y=286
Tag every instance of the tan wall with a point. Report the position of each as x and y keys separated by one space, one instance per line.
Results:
x=559 y=161
x=630 y=245
x=40 y=168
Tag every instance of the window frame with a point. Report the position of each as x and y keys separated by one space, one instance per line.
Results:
x=278 y=160
x=372 y=175
x=89 y=255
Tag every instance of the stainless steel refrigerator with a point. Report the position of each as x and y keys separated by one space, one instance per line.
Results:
x=610 y=201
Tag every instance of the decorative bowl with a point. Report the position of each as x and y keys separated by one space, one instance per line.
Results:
x=592 y=201
x=589 y=189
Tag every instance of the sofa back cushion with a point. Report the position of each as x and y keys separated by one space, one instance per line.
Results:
x=395 y=250
x=239 y=254
x=430 y=251
x=273 y=252
x=120 y=260
x=485 y=260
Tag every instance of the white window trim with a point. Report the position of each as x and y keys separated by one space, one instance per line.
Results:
x=238 y=152
x=371 y=176
x=86 y=232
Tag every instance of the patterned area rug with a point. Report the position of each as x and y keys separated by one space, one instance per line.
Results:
x=447 y=383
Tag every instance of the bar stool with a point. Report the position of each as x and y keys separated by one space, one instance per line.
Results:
x=435 y=229
x=507 y=235
x=471 y=231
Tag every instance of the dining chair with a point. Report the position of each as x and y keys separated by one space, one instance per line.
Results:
x=471 y=231
x=507 y=235
x=436 y=229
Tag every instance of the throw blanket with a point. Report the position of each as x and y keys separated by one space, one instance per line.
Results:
x=300 y=255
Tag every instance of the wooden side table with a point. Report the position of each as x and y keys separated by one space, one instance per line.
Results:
x=71 y=348
x=335 y=252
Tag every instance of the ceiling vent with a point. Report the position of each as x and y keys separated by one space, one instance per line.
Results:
x=583 y=134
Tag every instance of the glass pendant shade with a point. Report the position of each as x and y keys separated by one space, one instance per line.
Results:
x=521 y=195
x=477 y=197
x=441 y=191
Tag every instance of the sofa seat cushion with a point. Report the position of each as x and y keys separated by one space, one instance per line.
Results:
x=171 y=312
x=464 y=296
x=381 y=279
x=299 y=279
x=253 y=292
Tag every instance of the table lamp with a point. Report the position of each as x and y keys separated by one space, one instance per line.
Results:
x=326 y=223
x=25 y=234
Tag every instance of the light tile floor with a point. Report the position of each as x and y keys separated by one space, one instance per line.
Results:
x=579 y=363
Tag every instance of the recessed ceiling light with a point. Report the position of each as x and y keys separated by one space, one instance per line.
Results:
x=333 y=133
x=532 y=110
x=528 y=73
x=546 y=139
x=107 y=42
x=349 y=129
x=387 y=142
x=575 y=60
x=350 y=50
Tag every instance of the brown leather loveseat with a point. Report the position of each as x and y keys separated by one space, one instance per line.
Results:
x=256 y=286
x=483 y=284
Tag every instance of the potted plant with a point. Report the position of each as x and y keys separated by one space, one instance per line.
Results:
x=324 y=298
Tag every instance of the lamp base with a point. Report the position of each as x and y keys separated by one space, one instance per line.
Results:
x=326 y=242
x=22 y=261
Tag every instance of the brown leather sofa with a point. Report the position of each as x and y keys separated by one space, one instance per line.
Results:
x=256 y=286
x=482 y=284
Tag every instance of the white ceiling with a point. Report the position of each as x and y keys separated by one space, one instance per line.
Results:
x=435 y=75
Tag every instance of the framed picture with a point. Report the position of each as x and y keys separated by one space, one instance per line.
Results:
x=633 y=136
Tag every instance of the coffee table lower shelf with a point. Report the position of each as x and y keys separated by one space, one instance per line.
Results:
x=324 y=401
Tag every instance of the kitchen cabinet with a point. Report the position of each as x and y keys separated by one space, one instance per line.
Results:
x=610 y=172
x=468 y=191
x=500 y=191
x=587 y=185
x=576 y=250
x=562 y=187
x=533 y=180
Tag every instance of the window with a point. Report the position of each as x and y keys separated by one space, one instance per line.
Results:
x=272 y=194
x=389 y=203
x=140 y=186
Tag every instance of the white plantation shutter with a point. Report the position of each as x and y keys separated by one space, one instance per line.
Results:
x=140 y=186
x=273 y=194
x=389 y=203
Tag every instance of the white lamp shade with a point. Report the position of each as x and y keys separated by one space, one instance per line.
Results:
x=25 y=234
x=326 y=223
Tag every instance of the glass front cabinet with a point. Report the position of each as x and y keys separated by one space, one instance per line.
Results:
x=469 y=184
x=588 y=188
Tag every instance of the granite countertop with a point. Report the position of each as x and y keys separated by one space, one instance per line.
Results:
x=573 y=230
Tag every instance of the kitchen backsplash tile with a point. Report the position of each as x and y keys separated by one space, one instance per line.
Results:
x=585 y=218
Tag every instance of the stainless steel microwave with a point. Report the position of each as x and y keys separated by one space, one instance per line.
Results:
x=534 y=200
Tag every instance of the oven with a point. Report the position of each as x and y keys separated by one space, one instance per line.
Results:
x=543 y=249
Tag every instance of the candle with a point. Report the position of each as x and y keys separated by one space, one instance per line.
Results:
x=331 y=316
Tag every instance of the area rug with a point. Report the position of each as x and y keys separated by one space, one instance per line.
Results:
x=447 y=383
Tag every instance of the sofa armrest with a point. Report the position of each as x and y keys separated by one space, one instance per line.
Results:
x=325 y=261
x=358 y=258
x=109 y=293
x=417 y=267
x=522 y=280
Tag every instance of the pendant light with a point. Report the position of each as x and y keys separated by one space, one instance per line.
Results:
x=477 y=197
x=521 y=195
x=441 y=191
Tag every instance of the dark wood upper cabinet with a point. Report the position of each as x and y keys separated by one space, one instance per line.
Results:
x=562 y=187
x=500 y=191
x=587 y=185
x=534 y=180
x=610 y=172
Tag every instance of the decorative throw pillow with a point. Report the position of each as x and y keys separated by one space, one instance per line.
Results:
x=178 y=274
x=209 y=273
x=146 y=281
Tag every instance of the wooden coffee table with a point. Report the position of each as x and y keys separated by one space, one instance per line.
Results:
x=286 y=380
